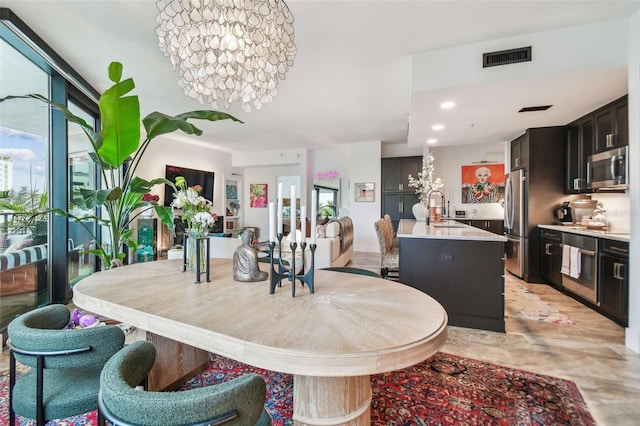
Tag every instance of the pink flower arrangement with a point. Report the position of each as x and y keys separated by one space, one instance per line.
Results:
x=149 y=197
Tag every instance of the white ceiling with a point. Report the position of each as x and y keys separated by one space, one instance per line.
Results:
x=351 y=78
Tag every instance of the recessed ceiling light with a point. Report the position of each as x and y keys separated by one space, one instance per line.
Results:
x=447 y=105
x=432 y=141
x=437 y=126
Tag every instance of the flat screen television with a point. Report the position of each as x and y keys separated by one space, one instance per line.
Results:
x=193 y=177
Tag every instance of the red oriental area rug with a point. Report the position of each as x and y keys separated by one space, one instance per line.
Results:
x=443 y=390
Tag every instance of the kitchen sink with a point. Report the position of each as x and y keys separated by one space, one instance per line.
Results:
x=447 y=225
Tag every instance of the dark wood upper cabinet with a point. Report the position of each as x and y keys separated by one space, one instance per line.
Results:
x=612 y=125
x=397 y=197
x=622 y=122
x=601 y=130
x=391 y=175
x=396 y=170
x=580 y=140
x=519 y=153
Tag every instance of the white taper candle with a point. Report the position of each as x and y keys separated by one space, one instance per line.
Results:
x=272 y=221
x=279 y=206
x=293 y=214
x=314 y=215
x=303 y=224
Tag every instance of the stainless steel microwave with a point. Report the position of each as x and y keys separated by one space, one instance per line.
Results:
x=608 y=170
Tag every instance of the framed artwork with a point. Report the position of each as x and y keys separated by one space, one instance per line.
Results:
x=258 y=195
x=232 y=192
x=365 y=191
x=483 y=183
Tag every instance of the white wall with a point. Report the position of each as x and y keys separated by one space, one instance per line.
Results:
x=329 y=160
x=364 y=166
x=400 y=150
x=577 y=44
x=556 y=53
x=448 y=162
x=268 y=158
x=618 y=211
x=355 y=163
x=180 y=152
x=633 y=331
x=259 y=217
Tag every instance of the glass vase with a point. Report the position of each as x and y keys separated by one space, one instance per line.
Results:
x=193 y=249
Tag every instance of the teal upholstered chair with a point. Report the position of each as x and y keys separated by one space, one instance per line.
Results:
x=64 y=378
x=350 y=270
x=236 y=402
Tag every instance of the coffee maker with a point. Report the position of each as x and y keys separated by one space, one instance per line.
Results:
x=576 y=211
x=564 y=214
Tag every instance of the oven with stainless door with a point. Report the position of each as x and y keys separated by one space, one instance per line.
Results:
x=584 y=283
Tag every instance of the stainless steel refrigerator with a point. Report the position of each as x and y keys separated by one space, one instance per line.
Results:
x=515 y=221
x=532 y=193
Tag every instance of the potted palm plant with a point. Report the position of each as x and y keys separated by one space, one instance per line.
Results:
x=28 y=211
x=119 y=144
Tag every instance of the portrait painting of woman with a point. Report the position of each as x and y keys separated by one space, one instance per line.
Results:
x=483 y=183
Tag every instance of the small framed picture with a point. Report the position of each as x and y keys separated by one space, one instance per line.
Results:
x=258 y=195
x=365 y=191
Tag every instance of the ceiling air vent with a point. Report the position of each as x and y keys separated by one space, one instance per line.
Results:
x=535 y=108
x=504 y=57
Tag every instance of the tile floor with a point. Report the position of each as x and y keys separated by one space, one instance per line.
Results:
x=590 y=352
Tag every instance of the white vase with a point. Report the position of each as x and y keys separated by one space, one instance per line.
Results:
x=419 y=211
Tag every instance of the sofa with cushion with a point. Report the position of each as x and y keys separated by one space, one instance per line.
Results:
x=23 y=269
x=334 y=241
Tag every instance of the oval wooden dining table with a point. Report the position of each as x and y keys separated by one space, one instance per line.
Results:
x=352 y=326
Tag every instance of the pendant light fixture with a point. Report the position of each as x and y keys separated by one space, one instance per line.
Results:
x=227 y=50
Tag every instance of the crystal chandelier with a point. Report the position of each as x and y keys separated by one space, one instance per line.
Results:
x=227 y=50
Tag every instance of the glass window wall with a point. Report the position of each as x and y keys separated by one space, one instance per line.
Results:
x=43 y=163
x=24 y=185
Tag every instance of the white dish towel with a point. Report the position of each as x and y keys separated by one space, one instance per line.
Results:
x=566 y=260
x=574 y=266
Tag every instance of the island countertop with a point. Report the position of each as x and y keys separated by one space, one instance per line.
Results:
x=447 y=229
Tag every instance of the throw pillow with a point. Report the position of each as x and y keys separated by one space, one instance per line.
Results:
x=19 y=245
x=321 y=231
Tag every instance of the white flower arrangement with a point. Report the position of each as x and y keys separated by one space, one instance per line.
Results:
x=190 y=198
x=203 y=219
x=196 y=210
x=425 y=182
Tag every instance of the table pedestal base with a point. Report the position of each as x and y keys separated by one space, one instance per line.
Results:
x=176 y=363
x=331 y=400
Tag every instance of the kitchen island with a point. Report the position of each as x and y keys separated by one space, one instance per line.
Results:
x=460 y=266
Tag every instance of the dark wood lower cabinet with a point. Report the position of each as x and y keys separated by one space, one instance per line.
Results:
x=551 y=256
x=398 y=206
x=613 y=282
x=495 y=226
x=465 y=276
x=612 y=274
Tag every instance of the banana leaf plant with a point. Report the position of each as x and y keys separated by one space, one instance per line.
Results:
x=117 y=151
